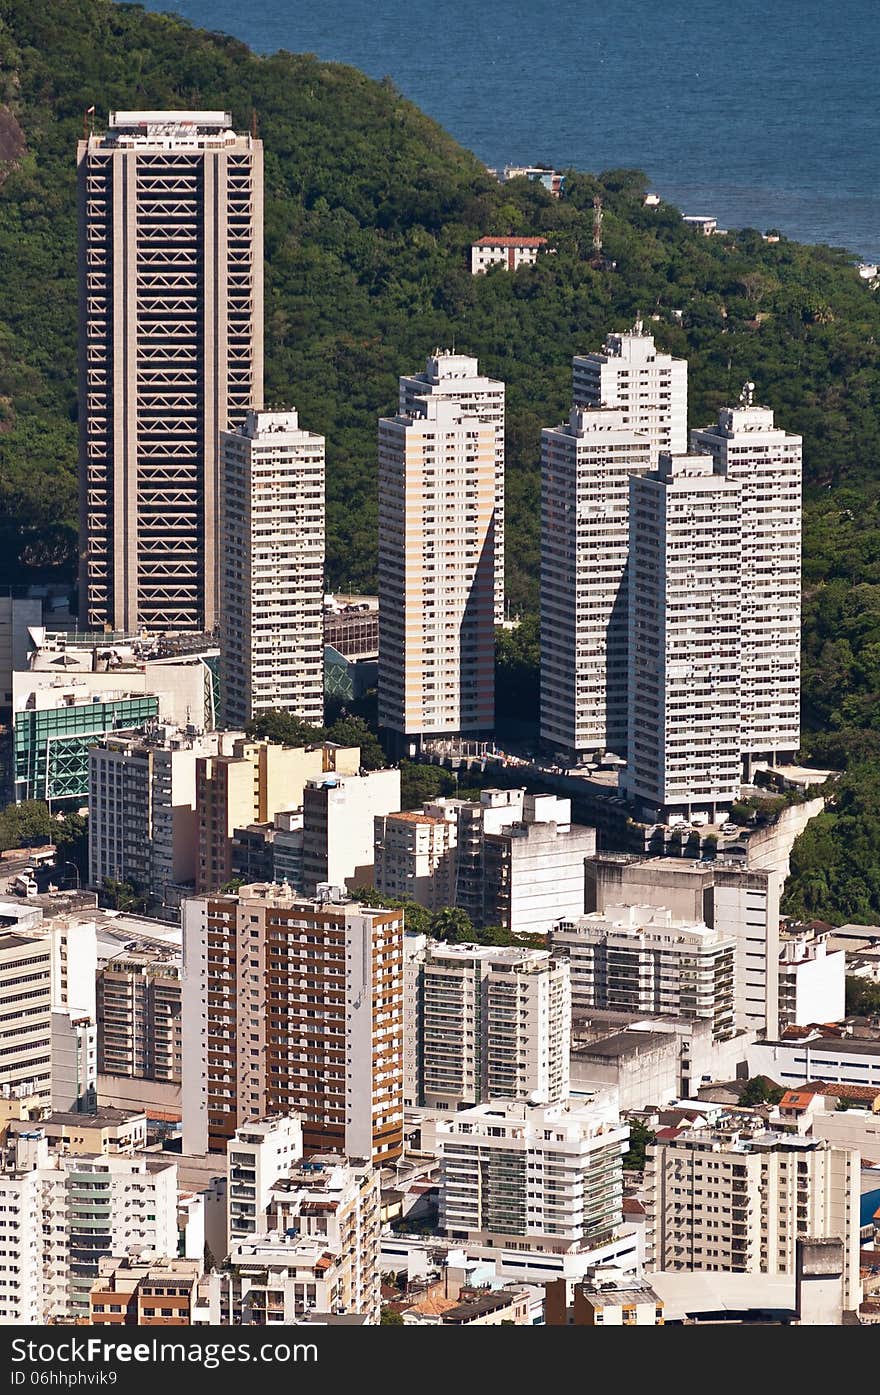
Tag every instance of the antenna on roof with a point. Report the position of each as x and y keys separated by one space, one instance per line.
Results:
x=747 y=396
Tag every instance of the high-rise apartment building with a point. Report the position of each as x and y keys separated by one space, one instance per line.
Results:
x=649 y=388
x=457 y=377
x=585 y=468
x=142 y=808
x=339 y=814
x=765 y=462
x=272 y=569
x=685 y=595
x=138 y=1007
x=642 y=959
x=171 y=354
x=292 y=1005
x=533 y=868
x=258 y=780
x=739 y=1202
x=738 y=903
x=414 y=856
x=488 y=1023
x=549 y=1175
x=437 y=497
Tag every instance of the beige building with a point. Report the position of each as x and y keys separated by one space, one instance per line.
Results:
x=171 y=353
x=338 y=818
x=272 y=569
x=485 y=1023
x=414 y=856
x=158 y=1291
x=740 y=1201
x=259 y=779
x=320 y=1252
x=437 y=495
x=457 y=377
x=293 y=1005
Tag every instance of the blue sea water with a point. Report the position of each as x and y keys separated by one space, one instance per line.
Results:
x=762 y=113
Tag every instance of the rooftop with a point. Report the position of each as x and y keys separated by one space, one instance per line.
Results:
x=510 y=241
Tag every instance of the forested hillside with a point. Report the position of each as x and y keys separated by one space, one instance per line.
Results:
x=370 y=209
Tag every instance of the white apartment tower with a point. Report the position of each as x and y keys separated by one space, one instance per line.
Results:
x=766 y=463
x=649 y=388
x=684 y=639
x=171 y=353
x=489 y=1023
x=738 y=1203
x=550 y=1175
x=586 y=464
x=437 y=493
x=643 y=959
x=272 y=569
x=458 y=377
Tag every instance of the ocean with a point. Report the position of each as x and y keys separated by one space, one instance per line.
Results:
x=759 y=114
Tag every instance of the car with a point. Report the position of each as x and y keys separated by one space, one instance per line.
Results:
x=730 y=828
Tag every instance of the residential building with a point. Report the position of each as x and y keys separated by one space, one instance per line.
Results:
x=17 y=616
x=171 y=354
x=602 y=1301
x=150 y=1291
x=338 y=819
x=251 y=785
x=293 y=1005
x=547 y=1176
x=272 y=568
x=457 y=378
x=496 y=810
x=437 y=499
x=487 y=1023
x=509 y=252
x=765 y=462
x=265 y=852
x=739 y=1201
x=61 y=1213
x=414 y=856
x=142 y=808
x=258 y=1155
x=812 y=982
x=649 y=387
x=642 y=959
x=685 y=594
x=839 y=1058
x=100 y=1132
x=47 y=1012
x=53 y=734
x=734 y=901
x=138 y=1008
x=533 y=869
x=586 y=466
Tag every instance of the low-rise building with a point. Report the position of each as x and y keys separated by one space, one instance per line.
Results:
x=601 y=1301
x=550 y=1177
x=150 y=1291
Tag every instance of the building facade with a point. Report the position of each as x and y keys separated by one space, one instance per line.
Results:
x=533 y=868
x=551 y=1176
x=171 y=353
x=272 y=569
x=509 y=252
x=740 y=1202
x=641 y=959
x=338 y=822
x=485 y=1023
x=685 y=596
x=293 y=1005
x=437 y=496
x=138 y=1009
x=585 y=469
x=649 y=388
x=765 y=462
x=414 y=856
x=457 y=377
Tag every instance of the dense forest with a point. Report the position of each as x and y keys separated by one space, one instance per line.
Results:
x=370 y=210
